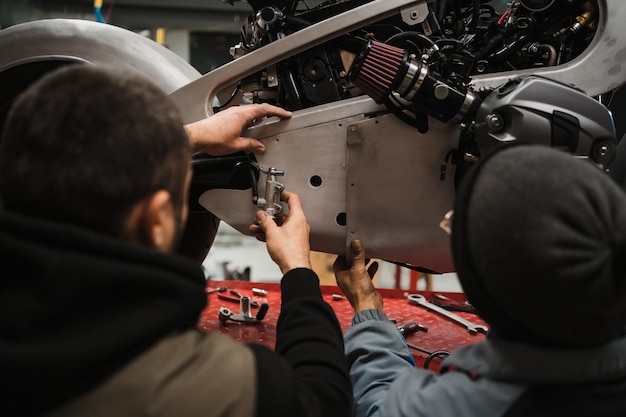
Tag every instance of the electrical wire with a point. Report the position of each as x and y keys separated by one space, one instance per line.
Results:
x=107 y=16
x=97 y=9
x=431 y=355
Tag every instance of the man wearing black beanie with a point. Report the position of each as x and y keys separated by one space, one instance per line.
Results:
x=539 y=244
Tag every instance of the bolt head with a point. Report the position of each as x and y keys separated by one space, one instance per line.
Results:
x=495 y=122
x=441 y=92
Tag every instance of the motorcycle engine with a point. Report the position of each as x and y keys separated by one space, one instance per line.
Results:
x=458 y=38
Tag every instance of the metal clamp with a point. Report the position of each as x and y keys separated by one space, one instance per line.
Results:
x=271 y=202
x=244 y=315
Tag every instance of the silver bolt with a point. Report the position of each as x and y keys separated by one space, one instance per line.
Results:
x=495 y=122
x=441 y=92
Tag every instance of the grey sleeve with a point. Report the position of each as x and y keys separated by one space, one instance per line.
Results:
x=422 y=393
x=387 y=383
x=377 y=354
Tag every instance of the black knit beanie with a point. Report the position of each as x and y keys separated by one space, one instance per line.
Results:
x=539 y=245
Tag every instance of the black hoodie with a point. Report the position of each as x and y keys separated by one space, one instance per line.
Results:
x=76 y=307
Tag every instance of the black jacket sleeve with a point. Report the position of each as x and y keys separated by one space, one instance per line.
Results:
x=307 y=375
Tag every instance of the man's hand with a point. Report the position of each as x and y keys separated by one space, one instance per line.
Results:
x=287 y=244
x=220 y=134
x=356 y=282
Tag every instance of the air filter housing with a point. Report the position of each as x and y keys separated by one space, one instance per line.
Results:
x=376 y=70
x=381 y=70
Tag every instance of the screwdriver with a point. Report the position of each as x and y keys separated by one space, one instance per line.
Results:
x=218 y=289
x=411 y=327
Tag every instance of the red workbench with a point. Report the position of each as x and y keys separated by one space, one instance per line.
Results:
x=442 y=334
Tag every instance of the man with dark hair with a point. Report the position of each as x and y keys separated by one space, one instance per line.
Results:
x=97 y=314
x=539 y=244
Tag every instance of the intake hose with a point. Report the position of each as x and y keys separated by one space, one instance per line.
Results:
x=381 y=69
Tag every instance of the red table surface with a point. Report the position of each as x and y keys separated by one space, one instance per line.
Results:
x=442 y=333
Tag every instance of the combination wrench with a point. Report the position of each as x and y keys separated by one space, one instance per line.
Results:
x=420 y=300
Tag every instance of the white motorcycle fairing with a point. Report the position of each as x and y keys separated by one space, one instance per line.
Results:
x=361 y=171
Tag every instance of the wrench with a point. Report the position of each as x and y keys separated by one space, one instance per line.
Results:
x=420 y=300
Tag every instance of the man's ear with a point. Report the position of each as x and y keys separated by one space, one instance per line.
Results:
x=157 y=221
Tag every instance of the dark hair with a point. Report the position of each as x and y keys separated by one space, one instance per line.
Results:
x=84 y=144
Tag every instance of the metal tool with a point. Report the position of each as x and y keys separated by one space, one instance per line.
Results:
x=238 y=294
x=420 y=300
x=244 y=315
x=259 y=292
x=236 y=298
x=411 y=327
x=431 y=355
x=218 y=289
x=271 y=201
x=452 y=304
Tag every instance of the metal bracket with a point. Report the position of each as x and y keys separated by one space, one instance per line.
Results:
x=415 y=14
x=244 y=315
x=271 y=202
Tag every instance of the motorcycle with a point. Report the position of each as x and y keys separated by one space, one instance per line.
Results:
x=393 y=101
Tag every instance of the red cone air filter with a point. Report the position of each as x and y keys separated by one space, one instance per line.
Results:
x=375 y=70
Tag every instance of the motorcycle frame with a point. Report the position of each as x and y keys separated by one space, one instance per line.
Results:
x=379 y=173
